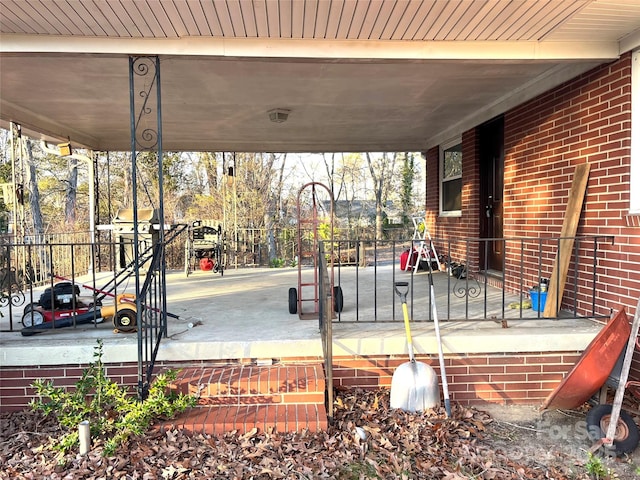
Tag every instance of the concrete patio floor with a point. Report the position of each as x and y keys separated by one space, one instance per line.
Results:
x=244 y=315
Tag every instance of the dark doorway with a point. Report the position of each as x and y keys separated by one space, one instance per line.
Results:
x=491 y=139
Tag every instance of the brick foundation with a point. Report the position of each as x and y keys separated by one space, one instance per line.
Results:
x=472 y=379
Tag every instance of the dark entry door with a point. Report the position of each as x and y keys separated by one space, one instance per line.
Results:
x=491 y=194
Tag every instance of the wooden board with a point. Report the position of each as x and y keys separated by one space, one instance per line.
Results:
x=569 y=227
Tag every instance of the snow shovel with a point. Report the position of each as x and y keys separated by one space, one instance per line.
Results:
x=414 y=385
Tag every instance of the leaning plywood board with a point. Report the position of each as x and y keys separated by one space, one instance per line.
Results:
x=569 y=227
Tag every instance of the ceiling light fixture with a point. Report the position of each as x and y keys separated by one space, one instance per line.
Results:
x=279 y=115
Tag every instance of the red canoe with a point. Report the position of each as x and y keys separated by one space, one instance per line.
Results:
x=593 y=368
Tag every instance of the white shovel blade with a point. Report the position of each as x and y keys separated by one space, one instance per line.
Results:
x=414 y=387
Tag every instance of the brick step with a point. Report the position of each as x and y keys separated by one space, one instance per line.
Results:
x=283 y=398
x=493 y=281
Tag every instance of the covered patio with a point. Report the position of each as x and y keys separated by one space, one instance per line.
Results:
x=350 y=76
x=241 y=318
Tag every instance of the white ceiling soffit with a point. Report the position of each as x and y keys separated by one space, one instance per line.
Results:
x=425 y=20
x=357 y=74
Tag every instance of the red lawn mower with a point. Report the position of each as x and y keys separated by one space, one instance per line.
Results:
x=62 y=306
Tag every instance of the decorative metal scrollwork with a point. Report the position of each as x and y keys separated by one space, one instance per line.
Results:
x=11 y=290
x=145 y=79
x=466 y=285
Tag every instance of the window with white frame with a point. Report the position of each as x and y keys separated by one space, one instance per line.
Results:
x=634 y=203
x=451 y=178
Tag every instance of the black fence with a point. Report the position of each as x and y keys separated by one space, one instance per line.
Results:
x=465 y=287
x=364 y=270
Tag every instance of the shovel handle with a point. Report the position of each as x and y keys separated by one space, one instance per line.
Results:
x=402 y=288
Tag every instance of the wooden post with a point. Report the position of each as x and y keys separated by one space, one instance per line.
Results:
x=569 y=227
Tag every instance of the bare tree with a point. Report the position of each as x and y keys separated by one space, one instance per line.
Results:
x=34 y=192
x=407 y=179
x=353 y=181
x=209 y=163
x=273 y=193
x=381 y=170
x=71 y=192
x=335 y=175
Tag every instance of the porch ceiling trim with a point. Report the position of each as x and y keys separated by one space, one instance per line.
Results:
x=314 y=49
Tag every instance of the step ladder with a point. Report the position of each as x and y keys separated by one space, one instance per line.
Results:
x=426 y=249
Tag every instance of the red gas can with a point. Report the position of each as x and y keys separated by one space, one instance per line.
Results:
x=206 y=264
x=406 y=262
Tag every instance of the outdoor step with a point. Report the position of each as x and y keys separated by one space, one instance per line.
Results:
x=283 y=398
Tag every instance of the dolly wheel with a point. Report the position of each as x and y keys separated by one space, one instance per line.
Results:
x=293 y=301
x=338 y=300
x=125 y=320
x=626 y=437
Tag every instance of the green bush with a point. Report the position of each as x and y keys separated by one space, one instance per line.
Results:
x=114 y=413
x=277 y=263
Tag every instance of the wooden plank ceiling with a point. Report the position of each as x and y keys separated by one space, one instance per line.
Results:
x=478 y=20
x=356 y=74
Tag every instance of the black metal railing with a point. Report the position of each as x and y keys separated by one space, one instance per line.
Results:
x=29 y=272
x=325 y=313
x=466 y=286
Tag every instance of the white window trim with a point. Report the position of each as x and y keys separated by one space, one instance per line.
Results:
x=443 y=147
x=634 y=197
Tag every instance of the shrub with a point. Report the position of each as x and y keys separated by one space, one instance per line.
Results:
x=277 y=263
x=114 y=413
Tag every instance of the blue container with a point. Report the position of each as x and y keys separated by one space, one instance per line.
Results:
x=538 y=299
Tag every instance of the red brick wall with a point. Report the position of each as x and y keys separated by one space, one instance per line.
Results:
x=15 y=382
x=447 y=231
x=432 y=190
x=508 y=378
x=585 y=120
x=472 y=379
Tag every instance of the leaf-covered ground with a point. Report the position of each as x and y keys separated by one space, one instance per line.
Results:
x=367 y=440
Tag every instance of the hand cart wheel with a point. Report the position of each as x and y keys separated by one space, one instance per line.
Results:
x=293 y=301
x=338 y=300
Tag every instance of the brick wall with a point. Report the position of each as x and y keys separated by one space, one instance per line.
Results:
x=472 y=379
x=585 y=120
x=15 y=382
x=446 y=231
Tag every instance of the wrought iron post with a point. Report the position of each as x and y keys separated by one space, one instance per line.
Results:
x=146 y=136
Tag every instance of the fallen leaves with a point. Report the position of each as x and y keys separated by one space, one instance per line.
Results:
x=366 y=440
